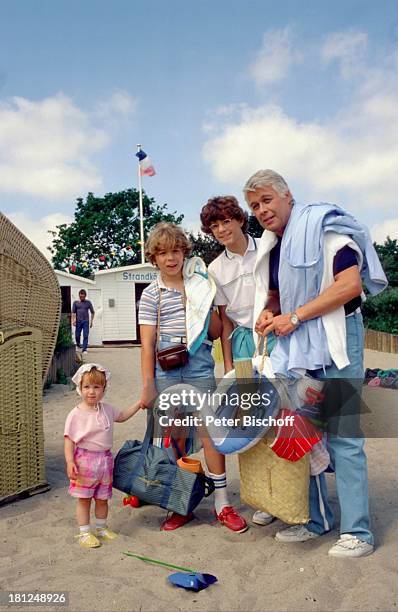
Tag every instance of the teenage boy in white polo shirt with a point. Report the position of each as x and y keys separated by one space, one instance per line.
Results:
x=232 y=270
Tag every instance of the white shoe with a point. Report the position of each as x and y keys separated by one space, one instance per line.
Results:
x=296 y=533
x=84 y=352
x=262 y=518
x=350 y=546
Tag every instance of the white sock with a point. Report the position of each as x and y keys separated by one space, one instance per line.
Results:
x=220 y=493
x=100 y=523
x=84 y=528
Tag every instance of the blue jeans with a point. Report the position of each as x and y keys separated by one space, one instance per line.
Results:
x=199 y=372
x=82 y=326
x=200 y=369
x=347 y=453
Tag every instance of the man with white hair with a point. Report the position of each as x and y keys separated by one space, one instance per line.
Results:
x=312 y=258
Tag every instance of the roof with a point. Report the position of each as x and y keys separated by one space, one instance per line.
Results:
x=82 y=279
x=126 y=268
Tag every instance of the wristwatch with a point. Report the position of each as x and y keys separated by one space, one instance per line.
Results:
x=294 y=319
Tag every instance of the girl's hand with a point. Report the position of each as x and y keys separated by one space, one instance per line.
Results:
x=129 y=412
x=71 y=470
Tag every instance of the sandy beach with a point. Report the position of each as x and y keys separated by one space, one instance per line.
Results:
x=254 y=571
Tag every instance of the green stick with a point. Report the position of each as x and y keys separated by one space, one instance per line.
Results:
x=163 y=563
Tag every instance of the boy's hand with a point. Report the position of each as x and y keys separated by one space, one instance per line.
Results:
x=71 y=470
x=148 y=395
x=264 y=322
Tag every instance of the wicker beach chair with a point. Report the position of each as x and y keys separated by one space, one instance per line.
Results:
x=29 y=290
x=30 y=304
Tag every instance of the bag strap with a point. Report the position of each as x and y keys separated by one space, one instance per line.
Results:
x=148 y=436
x=264 y=354
x=184 y=304
x=210 y=487
x=158 y=321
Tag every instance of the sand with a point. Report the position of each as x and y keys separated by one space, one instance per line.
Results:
x=255 y=572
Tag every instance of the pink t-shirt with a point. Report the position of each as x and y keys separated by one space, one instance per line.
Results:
x=92 y=429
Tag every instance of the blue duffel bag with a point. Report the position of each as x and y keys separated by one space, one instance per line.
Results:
x=148 y=472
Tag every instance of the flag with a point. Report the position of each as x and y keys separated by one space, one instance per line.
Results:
x=146 y=166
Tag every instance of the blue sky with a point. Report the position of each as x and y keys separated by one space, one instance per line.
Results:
x=213 y=91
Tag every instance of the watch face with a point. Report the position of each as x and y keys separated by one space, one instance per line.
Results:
x=294 y=319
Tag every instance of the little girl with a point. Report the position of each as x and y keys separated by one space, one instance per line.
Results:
x=88 y=440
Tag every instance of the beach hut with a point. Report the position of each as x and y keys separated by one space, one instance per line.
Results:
x=115 y=294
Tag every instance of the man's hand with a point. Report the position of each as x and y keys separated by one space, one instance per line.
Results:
x=71 y=470
x=281 y=325
x=263 y=322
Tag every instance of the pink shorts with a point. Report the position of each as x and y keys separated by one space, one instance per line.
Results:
x=95 y=472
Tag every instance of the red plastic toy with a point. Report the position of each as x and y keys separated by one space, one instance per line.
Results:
x=131 y=500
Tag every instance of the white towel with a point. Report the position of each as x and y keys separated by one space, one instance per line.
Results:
x=200 y=290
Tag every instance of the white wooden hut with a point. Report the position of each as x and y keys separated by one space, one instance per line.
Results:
x=115 y=294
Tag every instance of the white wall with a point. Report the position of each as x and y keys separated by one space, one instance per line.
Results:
x=119 y=321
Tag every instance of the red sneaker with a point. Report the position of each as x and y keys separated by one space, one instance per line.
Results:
x=232 y=519
x=175 y=521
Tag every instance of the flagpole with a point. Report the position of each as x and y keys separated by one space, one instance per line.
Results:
x=141 y=209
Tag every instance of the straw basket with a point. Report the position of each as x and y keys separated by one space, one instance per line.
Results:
x=268 y=482
x=274 y=485
x=29 y=291
x=21 y=414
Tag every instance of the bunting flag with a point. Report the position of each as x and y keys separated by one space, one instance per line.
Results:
x=146 y=166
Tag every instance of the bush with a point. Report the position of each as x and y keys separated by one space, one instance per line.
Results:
x=64 y=338
x=381 y=312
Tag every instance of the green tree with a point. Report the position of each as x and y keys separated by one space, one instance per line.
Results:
x=381 y=311
x=388 y=254
x=105 y=232
x=206 y=247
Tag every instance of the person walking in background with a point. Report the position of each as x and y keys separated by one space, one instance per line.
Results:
x=81 y=319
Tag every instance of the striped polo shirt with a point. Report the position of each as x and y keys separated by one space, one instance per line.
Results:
x=172 y=312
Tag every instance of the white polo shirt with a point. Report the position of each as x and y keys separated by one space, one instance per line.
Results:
x=233 y=275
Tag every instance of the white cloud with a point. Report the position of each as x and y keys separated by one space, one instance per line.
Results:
x=380 y=231
x=120 y=103
x=350 y=158
x=275 y=57
x=47 y=146
x=37 y=230
x=347 y=48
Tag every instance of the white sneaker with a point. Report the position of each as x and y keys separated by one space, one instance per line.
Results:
x=262 y=518
x=296 y=533
x=350 y=546
x=84 y=352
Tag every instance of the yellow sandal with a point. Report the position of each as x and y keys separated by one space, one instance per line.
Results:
x=88 y=540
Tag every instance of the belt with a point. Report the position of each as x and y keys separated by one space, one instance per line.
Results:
x=179 y=339
x=173 y=339
x=356 y=311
